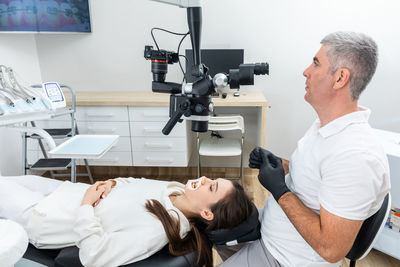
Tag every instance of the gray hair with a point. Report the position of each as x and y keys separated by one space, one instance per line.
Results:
x=356 y=52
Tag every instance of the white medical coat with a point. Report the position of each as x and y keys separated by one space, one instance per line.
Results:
x=118 y=231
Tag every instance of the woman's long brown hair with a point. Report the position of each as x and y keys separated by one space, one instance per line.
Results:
x=229 y=212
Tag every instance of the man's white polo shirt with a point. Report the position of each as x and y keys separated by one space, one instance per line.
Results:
x=341 y=167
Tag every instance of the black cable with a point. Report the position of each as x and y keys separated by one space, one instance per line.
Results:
x=187 y=62
x=160 y=29
x=179 y=46
x=179 y=60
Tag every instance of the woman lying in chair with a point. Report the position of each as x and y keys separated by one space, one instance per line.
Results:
x=123 y=220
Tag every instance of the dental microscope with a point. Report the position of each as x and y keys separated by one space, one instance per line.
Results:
x=193 y=100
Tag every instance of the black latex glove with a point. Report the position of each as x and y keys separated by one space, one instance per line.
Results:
x=272 y=174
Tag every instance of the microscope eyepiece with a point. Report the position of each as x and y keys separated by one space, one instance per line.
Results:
x=261 y=68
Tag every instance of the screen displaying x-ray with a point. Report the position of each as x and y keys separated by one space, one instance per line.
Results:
x=45 y=15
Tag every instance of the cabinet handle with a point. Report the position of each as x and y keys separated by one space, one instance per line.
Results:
x=102 y=130
x=115 y=160
x=151 y=130
x=153 y=114
x=149 y=159
x=100 y=115
x=154 y=145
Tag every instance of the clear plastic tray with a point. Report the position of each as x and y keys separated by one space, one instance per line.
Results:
x=84 y=147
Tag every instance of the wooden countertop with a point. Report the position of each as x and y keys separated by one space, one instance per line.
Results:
x=246 y=99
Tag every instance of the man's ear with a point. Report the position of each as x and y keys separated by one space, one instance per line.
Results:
x=341 y=78
x=207 y=215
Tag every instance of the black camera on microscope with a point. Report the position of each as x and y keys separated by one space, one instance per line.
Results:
x=159 y=61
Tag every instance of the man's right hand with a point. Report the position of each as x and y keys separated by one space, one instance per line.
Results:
x=272 y=174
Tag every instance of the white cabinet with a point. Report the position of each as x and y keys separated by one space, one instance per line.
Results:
x=107 y=120
x=149 y=146
x=102 y=113
x=141 y=141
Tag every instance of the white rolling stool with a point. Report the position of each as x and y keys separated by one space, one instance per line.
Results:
x=13 y=242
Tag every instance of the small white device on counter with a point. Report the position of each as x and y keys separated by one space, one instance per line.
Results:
x=54 y=95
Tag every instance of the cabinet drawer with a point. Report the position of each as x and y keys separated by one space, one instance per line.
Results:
x=142 y=128
x=149 y=114
x=106 y=127
x=112 y=159
x=178 y=159
x=90 y=127
x=101 y=113
x=159 y=144
x=123 y=144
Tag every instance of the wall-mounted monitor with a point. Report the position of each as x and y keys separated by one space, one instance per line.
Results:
x=217 y=60
x=44 y=16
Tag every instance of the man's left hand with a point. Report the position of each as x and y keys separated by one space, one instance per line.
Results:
x=272 y=174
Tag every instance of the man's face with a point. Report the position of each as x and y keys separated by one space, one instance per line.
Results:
x=319 y=80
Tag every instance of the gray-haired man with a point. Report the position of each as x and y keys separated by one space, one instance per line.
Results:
x=338 y=175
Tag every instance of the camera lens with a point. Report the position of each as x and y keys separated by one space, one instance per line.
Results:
x=200 y=126
x=159 y=70
x=261 y=68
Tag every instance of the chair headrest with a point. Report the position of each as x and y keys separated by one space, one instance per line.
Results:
x=248 y=230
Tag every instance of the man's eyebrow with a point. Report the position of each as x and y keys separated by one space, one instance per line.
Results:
x=315 y=59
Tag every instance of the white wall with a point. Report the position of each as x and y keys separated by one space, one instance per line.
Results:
x=19 y=52
x=284 y=33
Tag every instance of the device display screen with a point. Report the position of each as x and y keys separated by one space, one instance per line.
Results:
x=45 y=15
x=54 y=92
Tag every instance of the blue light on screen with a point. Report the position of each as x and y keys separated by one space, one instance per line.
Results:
x=45 y=15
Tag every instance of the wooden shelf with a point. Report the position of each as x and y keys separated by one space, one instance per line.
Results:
x=246 y=99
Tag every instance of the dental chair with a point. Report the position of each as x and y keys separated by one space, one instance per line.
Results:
x=249 y=230
x=369 y=232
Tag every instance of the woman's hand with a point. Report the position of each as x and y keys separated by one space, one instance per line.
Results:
x=93 y=194
x=107 y=187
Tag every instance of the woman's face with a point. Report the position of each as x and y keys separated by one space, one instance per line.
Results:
x=208 y=193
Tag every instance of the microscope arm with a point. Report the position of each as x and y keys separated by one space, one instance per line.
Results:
x=181 y=3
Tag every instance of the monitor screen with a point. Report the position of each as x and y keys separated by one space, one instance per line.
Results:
x=44 y=16
x=217 y=60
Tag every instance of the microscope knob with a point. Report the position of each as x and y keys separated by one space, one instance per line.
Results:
x=211 y=107
x=198 y=108
x=220 y=80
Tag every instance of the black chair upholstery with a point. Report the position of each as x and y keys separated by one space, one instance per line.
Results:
x=249 y=230
x=69 y=257
x=369 y=232
x=42 y=256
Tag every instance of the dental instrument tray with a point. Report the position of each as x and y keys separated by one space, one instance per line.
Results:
x=84 y=147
